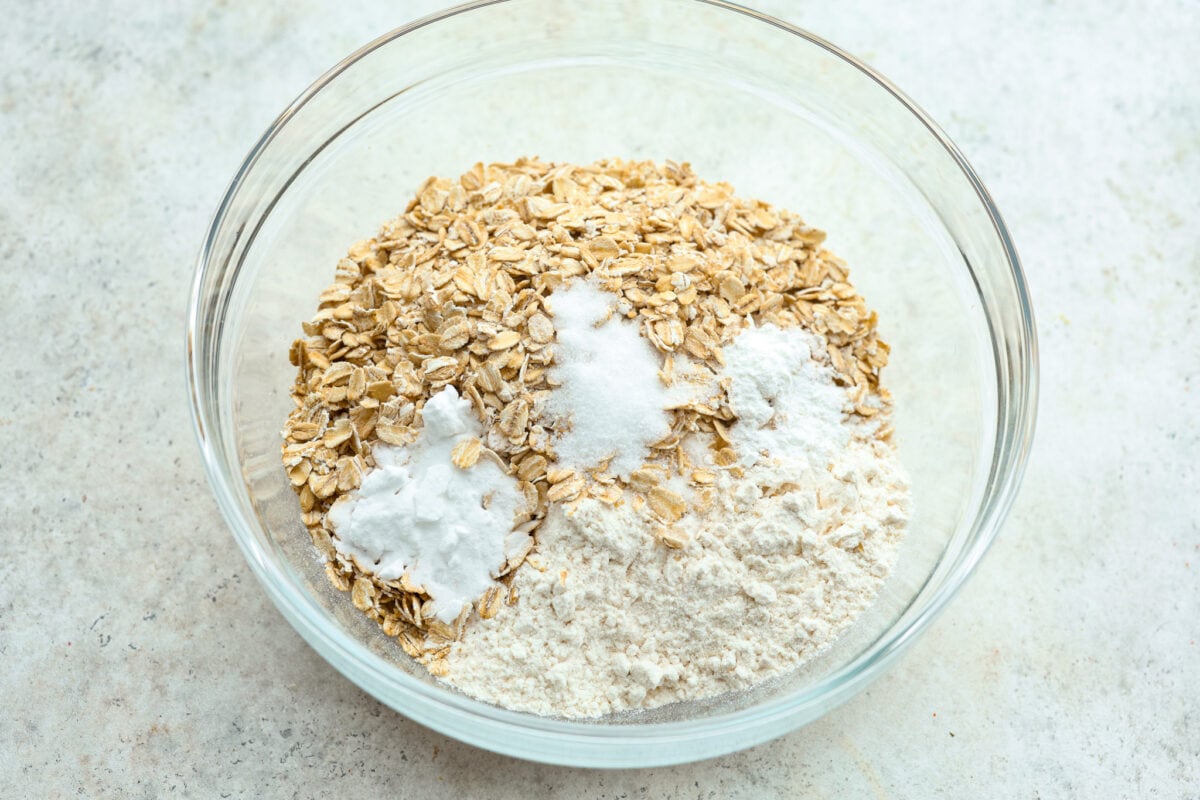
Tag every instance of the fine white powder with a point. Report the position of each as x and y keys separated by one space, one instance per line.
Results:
x=784 y=561
x=450 y=528
x=786 y=403
x=609 y=398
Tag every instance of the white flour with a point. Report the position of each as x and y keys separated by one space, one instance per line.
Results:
x=617 y=621
x=790 y=554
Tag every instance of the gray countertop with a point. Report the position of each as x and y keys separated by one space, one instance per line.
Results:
x=138 y=656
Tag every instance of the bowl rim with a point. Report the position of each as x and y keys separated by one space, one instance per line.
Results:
x=430 y=704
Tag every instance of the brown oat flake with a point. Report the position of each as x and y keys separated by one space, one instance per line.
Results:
x=465 y=454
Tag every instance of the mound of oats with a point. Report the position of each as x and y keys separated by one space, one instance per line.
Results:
x=454 y=292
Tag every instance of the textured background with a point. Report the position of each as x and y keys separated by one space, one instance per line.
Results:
x=138 y=657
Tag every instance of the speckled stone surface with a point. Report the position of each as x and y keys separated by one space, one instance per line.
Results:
x=139 y=658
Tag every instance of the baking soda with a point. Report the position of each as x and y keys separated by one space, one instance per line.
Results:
x=449 y=528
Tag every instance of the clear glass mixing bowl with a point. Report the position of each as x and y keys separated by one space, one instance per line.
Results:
x=779 y=113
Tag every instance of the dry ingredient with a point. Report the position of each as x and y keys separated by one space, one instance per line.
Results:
x=674 y=390
x=790 y=552
x=785 y=402
x=419 y=512
x=614 y=621
x=608 y=398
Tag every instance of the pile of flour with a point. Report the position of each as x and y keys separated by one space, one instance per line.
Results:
x=608 y=619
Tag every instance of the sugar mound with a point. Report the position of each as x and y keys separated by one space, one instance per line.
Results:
x=610 y=394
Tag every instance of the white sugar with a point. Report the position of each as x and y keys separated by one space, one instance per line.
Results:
x=610 y=394
x=450 y=528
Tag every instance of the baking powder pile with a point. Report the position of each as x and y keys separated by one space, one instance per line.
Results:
x=792 y=551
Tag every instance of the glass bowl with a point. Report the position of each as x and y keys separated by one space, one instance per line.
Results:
x=777 y=112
